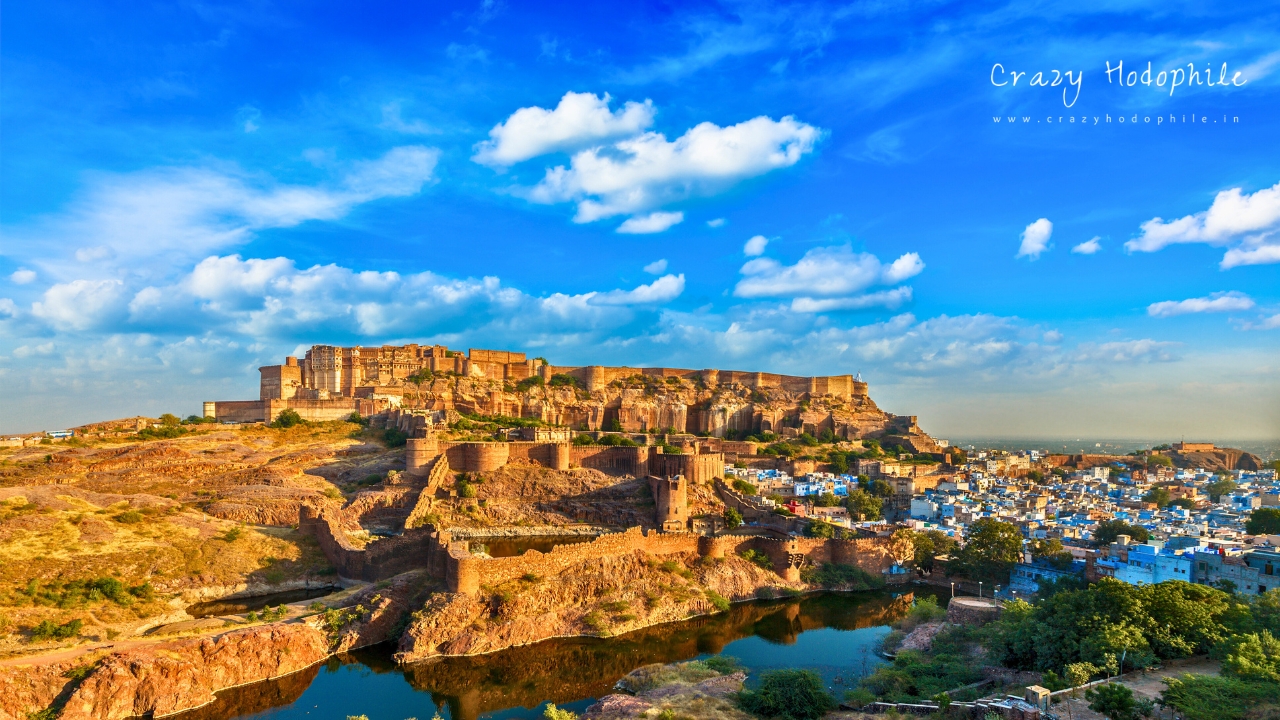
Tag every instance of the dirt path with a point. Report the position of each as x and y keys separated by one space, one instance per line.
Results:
x=58 y=656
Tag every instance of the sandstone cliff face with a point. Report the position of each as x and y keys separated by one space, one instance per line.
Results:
x=645 y=404
x=596 y=597
x=167 y=677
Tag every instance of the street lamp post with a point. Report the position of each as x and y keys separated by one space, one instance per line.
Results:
x=953 y=588
x=979 y=588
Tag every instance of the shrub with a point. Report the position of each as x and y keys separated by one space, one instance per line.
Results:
x=529 y=382
x=758 y=557
x=394 y=437
x=287 y=418
x=595 y=620
x=46 y=630
x=554 y=713
x=1113 y=700
x=789 y=695
x=1209 y=697
x=355 y=419
x=466 y=489
x=744 y=487
x=845 y=577
x=129 y=517
x=562 y=380
x=718 y=601
x=233 y=534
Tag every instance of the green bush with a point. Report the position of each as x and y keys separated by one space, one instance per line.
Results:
x=47 y=630
x=788 y=695
x=562 y=380
x=554 y=713
x=1112 y=700
x=287 y=418
x=718 y=601
x=394 y=437
x=529 y=382
x=129 y=517
x=743 y=486
x=758 y=557
x=1211 y=697
x=845 y=577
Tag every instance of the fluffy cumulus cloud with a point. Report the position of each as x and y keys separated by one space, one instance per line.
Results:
x=1035 y=239
x=580 y=120
x=654 y=222
x=22 y=276
x=1088 y=247
x=829 y=278
x=1216 y=302
x=755 y=246
x=1247 y=223
x=657 y=267
x=1127 y=351
x=639 y=174
x=80 y=304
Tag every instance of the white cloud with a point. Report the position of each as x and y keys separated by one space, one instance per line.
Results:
x=580 y=120
x=641 y=173
x=716 y=222
x=1261 y=67
x=8 y=308
x=755 y=246
x=80 y=304
x=1127 y=351
x=1235 y=217
x=1216 y=302
x=250 y=118
x=93 y=254
x=1261 y=255
x=23 y=351
x=1088 y=247
x=654 y=222
x=392 y=120
x=664 y=289
x=192 y=211
x=890 y=299
x=1035 y=239
x=1053 y=337
x=909 y=265
x=22 y=276
x=657 y=267
x=823 y=272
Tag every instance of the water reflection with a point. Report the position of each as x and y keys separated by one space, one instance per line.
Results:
x=214 y=608
x=512 y=546
x=810 y=632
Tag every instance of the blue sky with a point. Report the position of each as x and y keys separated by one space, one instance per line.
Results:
x=190 y=191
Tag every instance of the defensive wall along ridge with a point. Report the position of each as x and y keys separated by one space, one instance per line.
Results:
x=433 y=549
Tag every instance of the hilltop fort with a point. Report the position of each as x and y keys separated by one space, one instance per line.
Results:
x=330 y=383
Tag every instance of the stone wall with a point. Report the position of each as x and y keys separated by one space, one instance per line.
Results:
x=419 y=547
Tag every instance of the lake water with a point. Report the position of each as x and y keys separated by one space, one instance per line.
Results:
x=214 y=608
x=512 y=546
x=834 y=634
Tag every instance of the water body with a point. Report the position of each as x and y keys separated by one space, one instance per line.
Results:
x=214 y=608
x=512 y=546
x=833 y=634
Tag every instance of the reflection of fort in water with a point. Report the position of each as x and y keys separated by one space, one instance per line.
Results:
x=567 y=670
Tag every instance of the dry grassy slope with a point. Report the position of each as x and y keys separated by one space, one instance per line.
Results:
x=167 y=513
x=534 y=495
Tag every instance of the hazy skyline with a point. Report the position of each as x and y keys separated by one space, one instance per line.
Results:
x=190 y=192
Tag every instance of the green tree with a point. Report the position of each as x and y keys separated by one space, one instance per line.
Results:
x=788 y=695
x=861 y=502
x=1255 y=656
x=1154 y=460
x=928 y=545
x=1218 y=488
x=881 y=488
x=827 y=500
x=1113 y=700
x=991 y=549
x=1158 y=495
x=1108 y=530
x=1035 y=476
x=1263 y=521
x=732 y=518
x=1052 y=551
x=170 y=420
x=820 y=529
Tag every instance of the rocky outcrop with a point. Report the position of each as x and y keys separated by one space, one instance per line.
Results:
x=1216 y=459
x=167 y=677
x=695 y=698
x=594 y=597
